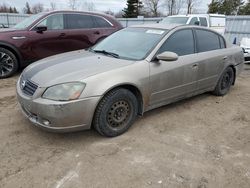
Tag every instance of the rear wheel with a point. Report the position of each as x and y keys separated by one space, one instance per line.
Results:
x=8 y=63
x=225 y=82
x=115 y=113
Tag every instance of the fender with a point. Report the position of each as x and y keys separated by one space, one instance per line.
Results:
x=13 y=49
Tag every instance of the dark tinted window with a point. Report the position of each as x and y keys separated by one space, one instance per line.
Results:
x=193 y=20
x=79 y=21
x=207 y=40
x=181 y=42
x=100 y=22
x=222 y=43
x=203 y=21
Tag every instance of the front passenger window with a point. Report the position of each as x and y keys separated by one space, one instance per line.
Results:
x=53 y=22
x=181 y=42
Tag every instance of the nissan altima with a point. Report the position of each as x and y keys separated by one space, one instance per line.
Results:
x=130 y=72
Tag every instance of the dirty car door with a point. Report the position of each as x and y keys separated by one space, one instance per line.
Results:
x=171 y=80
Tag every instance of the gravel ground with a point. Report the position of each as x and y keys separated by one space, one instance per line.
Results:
x=199 y=142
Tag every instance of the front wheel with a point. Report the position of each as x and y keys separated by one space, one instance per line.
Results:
x=8 y=63
x=115 y=113
x=225 y=82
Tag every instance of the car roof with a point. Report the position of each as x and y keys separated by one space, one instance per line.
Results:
x=86 y=12
x=167 y=26
x=158 y=26
x=171 y=27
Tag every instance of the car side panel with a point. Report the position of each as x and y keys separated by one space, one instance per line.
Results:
x=210 y=65
x=171 y=80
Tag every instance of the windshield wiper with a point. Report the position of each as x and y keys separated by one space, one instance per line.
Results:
x=106 y=53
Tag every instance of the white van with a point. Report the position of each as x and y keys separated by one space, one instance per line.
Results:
x=213 y=21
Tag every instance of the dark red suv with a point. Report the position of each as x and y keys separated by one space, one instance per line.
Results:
x=47 y=34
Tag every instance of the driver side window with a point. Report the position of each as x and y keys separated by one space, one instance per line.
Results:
x=181 y=43
x=53 y=22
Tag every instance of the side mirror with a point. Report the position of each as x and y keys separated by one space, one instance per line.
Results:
x=244 y=51
x=41 y=28
x=196 y=23
x=167 y=56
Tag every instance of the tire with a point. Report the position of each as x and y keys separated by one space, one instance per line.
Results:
x=225 y=82
x=8 y=63
x=115 y=113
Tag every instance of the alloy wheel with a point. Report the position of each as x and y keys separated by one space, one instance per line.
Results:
x=6 y=64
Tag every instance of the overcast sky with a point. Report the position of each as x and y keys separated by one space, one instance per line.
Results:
x=100 y=5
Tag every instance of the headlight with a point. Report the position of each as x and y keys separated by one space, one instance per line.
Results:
x=64 y=92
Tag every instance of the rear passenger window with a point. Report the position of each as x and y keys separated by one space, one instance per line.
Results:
x=207 y=40
x=79 y=21
x=100 y=22
x=203 y=21
x=193 y=21
x=181 y=42
x=222 y=43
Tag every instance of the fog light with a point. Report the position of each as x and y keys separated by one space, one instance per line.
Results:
x=46 y=122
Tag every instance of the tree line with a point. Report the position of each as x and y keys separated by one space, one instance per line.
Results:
x=154 y=8
x=147 y=8
x=229 y=7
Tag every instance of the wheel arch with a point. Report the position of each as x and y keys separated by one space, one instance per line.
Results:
x=14 y=50
x=234 y=69
x=133 y=89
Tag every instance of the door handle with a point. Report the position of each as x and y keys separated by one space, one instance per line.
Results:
x=225 y=58
x=97 y=33
x=62 y=35
x=194 y=66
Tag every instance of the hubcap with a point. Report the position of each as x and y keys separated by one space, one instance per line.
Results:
x=226 y=81
x=6 y=64
x=118 y=114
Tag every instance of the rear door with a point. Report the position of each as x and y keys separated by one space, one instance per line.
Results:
x=171 y=80
x=84 y=30
x=212 y=54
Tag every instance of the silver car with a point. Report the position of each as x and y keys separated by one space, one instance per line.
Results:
x=130 y=72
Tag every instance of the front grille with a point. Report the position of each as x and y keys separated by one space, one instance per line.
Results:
x=28 y=87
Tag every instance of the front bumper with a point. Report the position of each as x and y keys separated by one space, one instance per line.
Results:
x=57 y=116
x=247 y=57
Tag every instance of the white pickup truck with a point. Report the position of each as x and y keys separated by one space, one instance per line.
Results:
x=213 y=21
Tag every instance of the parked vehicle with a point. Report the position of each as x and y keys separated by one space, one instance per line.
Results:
x=132 y=71
x=245 y=44
x=47 y=34
x=216 y=22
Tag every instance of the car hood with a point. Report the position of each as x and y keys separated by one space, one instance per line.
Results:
x=71 y=66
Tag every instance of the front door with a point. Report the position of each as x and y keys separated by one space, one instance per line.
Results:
x=170 y=80
x=50 y=42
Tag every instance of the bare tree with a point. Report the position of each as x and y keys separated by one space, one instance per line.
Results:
x=73 y=4
x=52 y=6
x=36 y=8
x=152 y=6
x=90 y=6
x=110 y=12
x=119 y=14
x=191 y=5
x=178 y=6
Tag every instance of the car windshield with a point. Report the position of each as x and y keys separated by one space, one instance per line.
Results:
x=130 y=43
x=28 y=21
x=175 y=20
